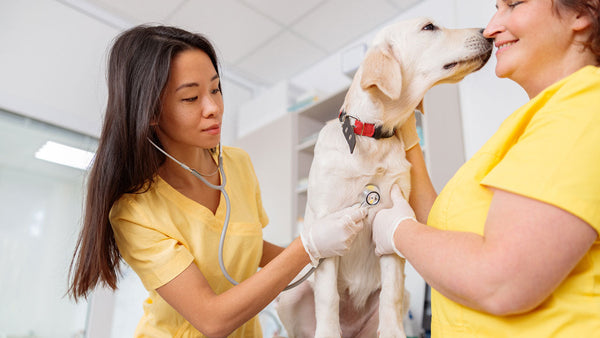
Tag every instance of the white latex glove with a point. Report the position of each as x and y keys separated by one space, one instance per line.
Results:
x=409 y=132
x=333 y=234
x=386 y=222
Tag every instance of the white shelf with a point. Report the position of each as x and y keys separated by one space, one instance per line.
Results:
x=326 y=109
x=309 y=122
x=307 y=145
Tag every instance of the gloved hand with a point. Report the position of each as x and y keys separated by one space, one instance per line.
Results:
x=333 y=234
x=386 y=221
x=409 y=134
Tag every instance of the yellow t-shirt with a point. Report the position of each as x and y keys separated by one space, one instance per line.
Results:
x=548 y=150
x=160 y=232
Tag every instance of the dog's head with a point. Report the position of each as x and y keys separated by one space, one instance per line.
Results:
x=409 y=57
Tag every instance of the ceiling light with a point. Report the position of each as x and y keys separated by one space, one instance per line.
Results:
x=65 y=155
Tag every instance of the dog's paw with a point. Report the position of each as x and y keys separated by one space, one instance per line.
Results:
x=389 y=332
x=329 y=332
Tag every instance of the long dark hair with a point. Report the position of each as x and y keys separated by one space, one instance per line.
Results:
x=590 y=8
x=138 y=70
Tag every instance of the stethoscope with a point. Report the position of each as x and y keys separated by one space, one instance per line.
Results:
x=221 y=188
x=369 y=197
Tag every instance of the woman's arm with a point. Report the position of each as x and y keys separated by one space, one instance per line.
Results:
x=527 y=249
x=270 y=251
x=422 y=194
x=218 y=315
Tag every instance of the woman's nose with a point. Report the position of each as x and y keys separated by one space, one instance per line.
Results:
x=493 y=28
x=211 y=106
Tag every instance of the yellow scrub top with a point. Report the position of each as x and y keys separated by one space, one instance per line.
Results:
x=548 y=150
x=160 y=232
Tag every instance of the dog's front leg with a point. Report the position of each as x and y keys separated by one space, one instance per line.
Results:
x=392 y=302
x=327 y=299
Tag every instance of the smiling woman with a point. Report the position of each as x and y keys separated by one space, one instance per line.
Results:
x=541 y=41
x=511 y=246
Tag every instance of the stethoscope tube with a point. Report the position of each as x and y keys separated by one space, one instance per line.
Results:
x=221 y=188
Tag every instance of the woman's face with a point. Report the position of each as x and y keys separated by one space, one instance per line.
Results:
x=192 y=105
x=531 y=38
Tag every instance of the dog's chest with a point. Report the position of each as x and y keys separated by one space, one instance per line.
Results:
x=337 y=179
x=337 y=176
x=371 y=157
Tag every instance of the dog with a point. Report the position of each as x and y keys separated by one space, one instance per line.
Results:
x=359 y=289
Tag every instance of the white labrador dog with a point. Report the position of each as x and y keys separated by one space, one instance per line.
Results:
x=404 y=61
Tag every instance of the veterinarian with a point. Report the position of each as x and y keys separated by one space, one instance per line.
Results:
x=510 y=246
x=163 y=221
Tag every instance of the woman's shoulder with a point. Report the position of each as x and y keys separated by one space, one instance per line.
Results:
x=235 y=152
x=137 y=198
x=574 y=94
x=587 y=79
x=237 y=155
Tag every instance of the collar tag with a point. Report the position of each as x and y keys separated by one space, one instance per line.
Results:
x=357 y=127
x=348 y=131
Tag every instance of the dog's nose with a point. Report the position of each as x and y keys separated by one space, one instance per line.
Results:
x=490 y=40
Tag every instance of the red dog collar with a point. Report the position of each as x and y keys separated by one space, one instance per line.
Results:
x=352 y=126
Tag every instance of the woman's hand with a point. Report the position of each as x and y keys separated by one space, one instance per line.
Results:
x=387 y=220
x=333 y=234
x=408 y=130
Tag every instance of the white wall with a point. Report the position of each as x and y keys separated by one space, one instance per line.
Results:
x=39 y=217
x=42 y=79
x=35 y=35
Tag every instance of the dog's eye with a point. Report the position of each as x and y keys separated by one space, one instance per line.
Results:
x=429 y=27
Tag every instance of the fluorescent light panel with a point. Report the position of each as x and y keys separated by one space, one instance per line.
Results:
x=65 y=155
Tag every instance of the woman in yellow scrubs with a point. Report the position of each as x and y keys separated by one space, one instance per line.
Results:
x=511 y=244
x=166 y=223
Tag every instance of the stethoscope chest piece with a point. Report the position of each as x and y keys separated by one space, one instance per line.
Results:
x=370 y=195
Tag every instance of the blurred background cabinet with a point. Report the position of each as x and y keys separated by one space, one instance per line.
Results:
x=282 y=151
x=308 y=123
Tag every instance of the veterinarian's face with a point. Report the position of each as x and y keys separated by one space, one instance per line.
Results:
x=530 y=37
x=192 y=105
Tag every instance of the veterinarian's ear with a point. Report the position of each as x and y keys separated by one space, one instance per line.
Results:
x=381 y=69
x=581 y=22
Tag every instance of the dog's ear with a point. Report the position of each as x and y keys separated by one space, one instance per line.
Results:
x=381 y=69
x=420 y=107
